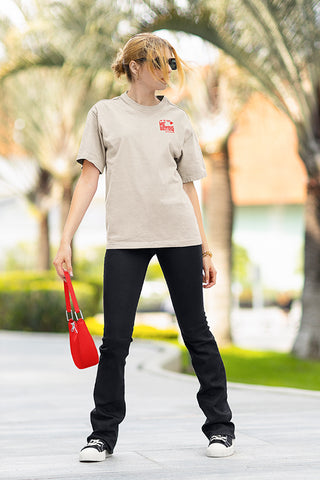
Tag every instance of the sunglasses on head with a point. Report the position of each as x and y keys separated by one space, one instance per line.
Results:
x=156 y=62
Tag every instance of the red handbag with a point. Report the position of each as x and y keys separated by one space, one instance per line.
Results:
x=83 y=349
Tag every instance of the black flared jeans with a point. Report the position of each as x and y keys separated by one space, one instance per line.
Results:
x=124 y=274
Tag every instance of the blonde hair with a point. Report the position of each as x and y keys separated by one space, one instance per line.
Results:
x=146 y=47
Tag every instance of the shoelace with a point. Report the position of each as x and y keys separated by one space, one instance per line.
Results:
x=96 y=441
x=221 y=438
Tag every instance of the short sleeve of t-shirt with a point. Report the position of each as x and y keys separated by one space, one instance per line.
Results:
x=191 y=165
x=92 y=147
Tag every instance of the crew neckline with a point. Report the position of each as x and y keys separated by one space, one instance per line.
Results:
x=144 y=108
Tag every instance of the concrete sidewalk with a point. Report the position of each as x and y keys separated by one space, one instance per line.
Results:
x=45 y=405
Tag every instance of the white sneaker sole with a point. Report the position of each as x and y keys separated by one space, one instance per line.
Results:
x=217 y=450
x=92 y=455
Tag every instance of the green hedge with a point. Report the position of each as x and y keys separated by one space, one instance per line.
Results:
x=32 y=301
x=140 y=331
x=154 y=333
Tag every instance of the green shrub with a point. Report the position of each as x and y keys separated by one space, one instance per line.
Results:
x=154 y=272
x=20 y=277
x=147 y=331
x=33 y=301
x=95 y=327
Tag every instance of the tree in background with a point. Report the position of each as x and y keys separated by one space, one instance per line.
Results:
x=47 y=107
x=278 y=43
x=213 y=97
x=54 y=70
x=24 y=178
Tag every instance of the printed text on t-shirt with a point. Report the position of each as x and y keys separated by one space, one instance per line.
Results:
x=166 y=126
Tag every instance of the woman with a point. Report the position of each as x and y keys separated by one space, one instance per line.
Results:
x=152 y=157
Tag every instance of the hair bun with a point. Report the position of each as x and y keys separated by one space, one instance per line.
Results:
x=118 y=65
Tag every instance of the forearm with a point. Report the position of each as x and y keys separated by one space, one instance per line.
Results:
x=191 y=191
x=82 y=197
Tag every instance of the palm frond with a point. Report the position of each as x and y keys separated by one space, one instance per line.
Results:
x=276 y=41
x=27 y=60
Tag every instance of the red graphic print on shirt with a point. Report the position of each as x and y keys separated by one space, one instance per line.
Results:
x=166 y=126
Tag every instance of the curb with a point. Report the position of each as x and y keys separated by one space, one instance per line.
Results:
x=166 y=363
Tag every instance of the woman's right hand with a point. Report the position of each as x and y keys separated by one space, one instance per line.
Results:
x=62 y=261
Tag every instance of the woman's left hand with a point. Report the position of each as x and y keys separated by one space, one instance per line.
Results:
x=209 y=272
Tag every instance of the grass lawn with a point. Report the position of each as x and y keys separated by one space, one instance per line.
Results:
x=267 y=368
x=242 y=366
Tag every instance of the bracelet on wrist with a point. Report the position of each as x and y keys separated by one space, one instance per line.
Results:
x=207 y=253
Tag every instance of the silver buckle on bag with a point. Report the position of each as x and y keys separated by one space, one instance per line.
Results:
x=71 y=315
x=80 y=315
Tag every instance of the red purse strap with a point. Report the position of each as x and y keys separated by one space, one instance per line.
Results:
x=69 y=291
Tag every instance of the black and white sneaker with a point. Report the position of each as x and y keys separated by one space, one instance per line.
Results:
x=94 y=451
x=220 y=446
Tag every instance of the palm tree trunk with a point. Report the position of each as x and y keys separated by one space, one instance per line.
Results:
x=43 y=242
x=307 y=344
x=219 y=218
x=38 y=198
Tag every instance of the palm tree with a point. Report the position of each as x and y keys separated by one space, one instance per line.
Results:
x=213 y=100
x=278 y=43
x=52 y=73
x=48 y=107
x=21 y=175
x=81 y=36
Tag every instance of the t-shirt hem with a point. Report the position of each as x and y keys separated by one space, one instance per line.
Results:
x=184 y=243
x=193 y=178
x=90 y=159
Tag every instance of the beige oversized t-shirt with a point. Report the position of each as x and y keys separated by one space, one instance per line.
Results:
x=148 y=153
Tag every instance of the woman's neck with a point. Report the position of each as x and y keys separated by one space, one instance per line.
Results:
x=143 y=96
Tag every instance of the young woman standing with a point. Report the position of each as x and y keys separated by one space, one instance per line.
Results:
x=152 y=157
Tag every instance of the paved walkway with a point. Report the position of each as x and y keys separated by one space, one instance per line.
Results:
x=45 y=404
